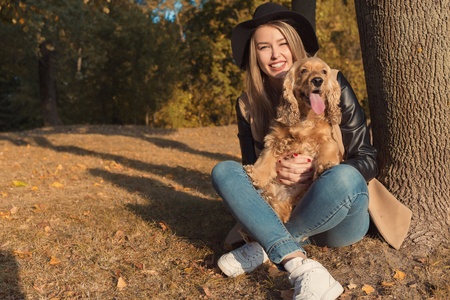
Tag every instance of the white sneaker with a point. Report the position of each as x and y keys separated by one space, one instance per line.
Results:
x=243 y=259
x=312 y=281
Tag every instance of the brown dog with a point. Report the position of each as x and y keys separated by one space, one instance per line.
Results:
x=307 y=110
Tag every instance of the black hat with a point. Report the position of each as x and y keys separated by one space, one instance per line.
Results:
x=240 y=38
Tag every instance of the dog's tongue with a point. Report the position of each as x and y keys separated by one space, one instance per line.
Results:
x=317 y=104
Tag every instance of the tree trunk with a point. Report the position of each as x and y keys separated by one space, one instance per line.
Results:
x=405 y=53
x=47 y=86
x=307 y=8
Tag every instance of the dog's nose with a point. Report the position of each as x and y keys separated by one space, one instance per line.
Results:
x=317 y=81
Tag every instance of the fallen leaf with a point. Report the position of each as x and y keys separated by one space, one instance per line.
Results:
x=75 y=218
x=19 y=183
x=23 y=254
x=121 y=283
x=5 y=214
x=38 y=208
x=54 y=261
x=384 y=283
x=368 y=289
x=119 y=234
x=57 y=184
x=138 y=265
x=352 y=286
x=4 y=194
x=399 y=275
x=207 y=292
x=34 y=188
x=163 y=225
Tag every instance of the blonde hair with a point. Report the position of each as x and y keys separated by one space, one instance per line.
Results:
x=263 y=98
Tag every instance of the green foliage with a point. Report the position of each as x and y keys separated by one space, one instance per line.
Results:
x=116 y=65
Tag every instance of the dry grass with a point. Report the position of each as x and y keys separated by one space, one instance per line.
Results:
x=130 y=213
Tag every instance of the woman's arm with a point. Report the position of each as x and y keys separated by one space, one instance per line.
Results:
x=245 y=138
x=355 y=134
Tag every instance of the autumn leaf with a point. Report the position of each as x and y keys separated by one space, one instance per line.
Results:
x=368 y=289
x=384 y=283
x=54 y=261
x=38 y=208
x=5 y=215
x=23 y=254
x=57 y=184
x=352 y=286
x=19 y=183
x=207 y=292
x=49 y=47
x=399 y=275
x=121 y=284
x=163 y=225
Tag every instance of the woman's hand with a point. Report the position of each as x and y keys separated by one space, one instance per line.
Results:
x=295 y=168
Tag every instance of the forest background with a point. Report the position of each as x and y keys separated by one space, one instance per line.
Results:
x=159 y=63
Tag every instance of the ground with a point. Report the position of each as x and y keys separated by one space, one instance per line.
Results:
x=128 y=212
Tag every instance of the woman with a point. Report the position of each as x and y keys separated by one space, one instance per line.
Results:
x=334 y=211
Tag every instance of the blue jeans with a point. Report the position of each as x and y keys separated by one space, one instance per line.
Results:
x=332 y=213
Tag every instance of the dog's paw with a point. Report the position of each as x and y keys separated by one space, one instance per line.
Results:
x=249 y=169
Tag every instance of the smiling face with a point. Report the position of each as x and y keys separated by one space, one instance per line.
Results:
x=273 y=53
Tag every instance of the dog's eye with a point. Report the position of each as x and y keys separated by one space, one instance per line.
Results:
x=303 y=71
x=324 y=72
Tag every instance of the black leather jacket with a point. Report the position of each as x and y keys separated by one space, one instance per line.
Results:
x=355 y=135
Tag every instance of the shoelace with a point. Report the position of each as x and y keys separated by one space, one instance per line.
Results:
x=303 y=283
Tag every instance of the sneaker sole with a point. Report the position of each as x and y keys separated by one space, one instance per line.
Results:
x=229 y=274
x=333 y=292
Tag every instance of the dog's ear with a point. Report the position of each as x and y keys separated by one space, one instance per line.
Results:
x=287 y=111
x=333 y=95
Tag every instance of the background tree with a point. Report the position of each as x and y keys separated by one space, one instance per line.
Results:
x=405 y=46
x=158 y=63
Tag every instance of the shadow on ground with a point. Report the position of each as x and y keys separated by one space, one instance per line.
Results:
x=9 y=278
x=197 y=219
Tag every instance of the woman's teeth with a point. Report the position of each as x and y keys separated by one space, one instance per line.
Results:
x=277 y=65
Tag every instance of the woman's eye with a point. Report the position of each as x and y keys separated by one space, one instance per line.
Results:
x=263 y=47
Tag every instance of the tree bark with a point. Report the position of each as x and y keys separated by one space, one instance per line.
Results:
x=47 y=86
x=405 y=53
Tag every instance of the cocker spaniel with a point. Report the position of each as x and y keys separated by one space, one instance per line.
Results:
x=307 y=110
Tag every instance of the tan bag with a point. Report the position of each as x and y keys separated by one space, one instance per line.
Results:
x=389 y=215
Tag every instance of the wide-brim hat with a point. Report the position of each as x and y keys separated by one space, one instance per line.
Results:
x=240 y=38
